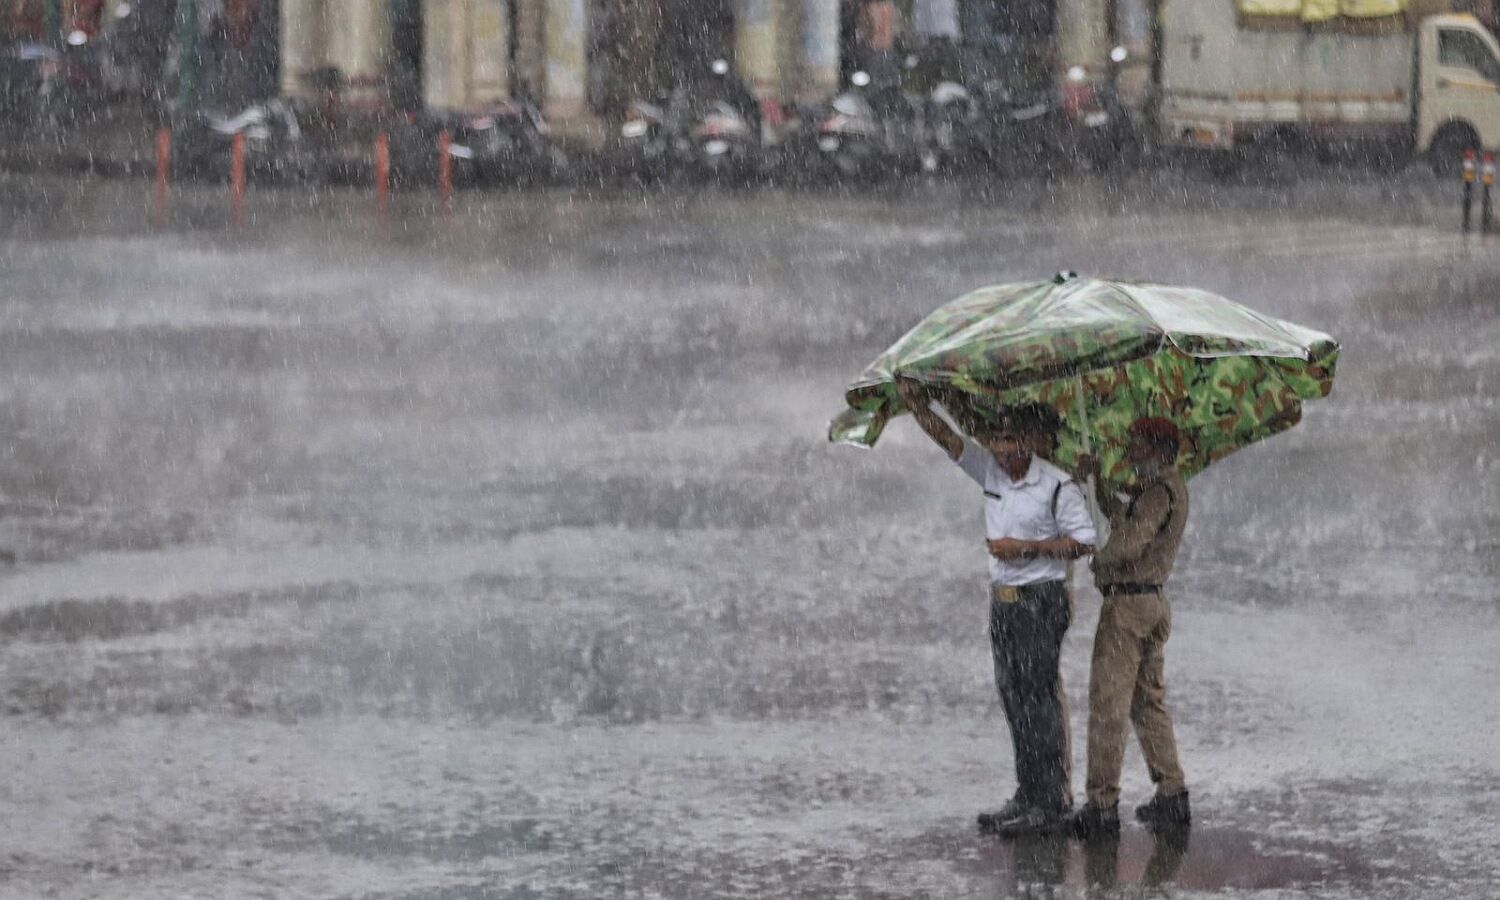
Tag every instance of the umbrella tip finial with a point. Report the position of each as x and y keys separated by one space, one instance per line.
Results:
x=1064 y=276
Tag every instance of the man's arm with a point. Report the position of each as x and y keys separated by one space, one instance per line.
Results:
x=1109 y=502
x=931 y=422
x=1058 y=548
x=1104 y=492
x=1134 y=534
x=1077 y=539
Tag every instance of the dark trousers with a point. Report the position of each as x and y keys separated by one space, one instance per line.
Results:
x=1026 y=635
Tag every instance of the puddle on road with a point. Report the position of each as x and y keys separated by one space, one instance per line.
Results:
x=1196 y=859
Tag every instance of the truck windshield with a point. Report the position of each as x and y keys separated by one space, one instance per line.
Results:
x=1465 y=50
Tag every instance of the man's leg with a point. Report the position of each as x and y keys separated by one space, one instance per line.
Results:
x=1148 y=707
x=1002 y=638
x=1042 y=622
x=1062 y=698
x=1112 y=681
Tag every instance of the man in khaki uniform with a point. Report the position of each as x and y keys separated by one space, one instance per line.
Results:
x=1126 y=679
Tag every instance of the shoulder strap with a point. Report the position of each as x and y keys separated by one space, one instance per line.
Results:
x=1055 y=491
x=1171 y=506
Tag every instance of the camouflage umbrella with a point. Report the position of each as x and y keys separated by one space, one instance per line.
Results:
x=1102 y=354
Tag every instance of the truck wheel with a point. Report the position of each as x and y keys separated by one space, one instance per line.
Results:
x=1447 y=152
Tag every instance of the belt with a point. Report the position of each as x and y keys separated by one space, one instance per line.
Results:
x=1129 y=587
x=1006 y=593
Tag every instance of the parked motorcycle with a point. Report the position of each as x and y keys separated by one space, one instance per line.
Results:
x=276 y=143
x=1079 y=122
x=720 y=145
x=647 y=142
x=706 y=128
x=506 y=142
x=957 y=131
x=871 y=133
x=40 y=84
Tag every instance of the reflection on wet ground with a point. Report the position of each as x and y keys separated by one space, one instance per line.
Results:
x=1191 y=859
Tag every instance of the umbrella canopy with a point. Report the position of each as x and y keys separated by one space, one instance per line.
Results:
x=1102 y=354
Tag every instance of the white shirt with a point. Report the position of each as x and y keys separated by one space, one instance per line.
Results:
x=1023 y=510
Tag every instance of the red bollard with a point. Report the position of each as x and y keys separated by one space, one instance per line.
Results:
x=237 y=181
x=445 y=170
x=1486 y=208
x=163 y=174
x=1468 y=188
x=382 y=172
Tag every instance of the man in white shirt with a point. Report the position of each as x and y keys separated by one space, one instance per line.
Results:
x=1036 y=520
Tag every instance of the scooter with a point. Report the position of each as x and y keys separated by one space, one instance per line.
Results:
x=723 y=141
x=871 y=133
x=275 y=143
x=706 y=128
x=509 y=141
x=647 y=145
x=956 y=131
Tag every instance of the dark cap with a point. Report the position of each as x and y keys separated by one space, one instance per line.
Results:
x=1158 y=431
x=1037 y=417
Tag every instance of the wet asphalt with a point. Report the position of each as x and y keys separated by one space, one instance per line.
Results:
x=498 y=552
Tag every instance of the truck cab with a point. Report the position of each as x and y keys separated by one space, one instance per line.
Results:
x=1458 y=87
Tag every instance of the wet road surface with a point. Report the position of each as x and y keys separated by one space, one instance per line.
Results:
x=500 y=554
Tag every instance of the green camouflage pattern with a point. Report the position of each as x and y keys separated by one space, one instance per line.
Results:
x=1227 y=375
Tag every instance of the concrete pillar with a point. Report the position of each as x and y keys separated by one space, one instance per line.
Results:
x=565 y=41
x=820 y=51
x=1083 y=35
x=465 y=53
x=445 y=61
x=489 y=50
x=1133 y=32
x=788 y=50
x=530 y=62
x=756 y=28
x=302 y=39
x=358 y=43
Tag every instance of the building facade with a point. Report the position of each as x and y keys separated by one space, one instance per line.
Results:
x=581 y=59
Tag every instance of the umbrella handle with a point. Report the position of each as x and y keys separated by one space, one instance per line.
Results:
x=1090 y=495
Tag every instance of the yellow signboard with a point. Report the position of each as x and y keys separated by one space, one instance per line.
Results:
x=1321 y=10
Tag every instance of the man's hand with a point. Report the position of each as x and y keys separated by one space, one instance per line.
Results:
x=1007 y=549
x=910 y=391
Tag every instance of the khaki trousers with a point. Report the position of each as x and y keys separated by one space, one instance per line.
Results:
x=1126 y=683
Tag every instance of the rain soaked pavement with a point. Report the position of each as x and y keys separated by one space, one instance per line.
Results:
x=500 y=555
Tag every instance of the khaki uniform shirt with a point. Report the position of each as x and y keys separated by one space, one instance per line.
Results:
x=1145 y=534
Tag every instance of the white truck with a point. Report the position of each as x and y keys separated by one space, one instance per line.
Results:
x=1420 y=83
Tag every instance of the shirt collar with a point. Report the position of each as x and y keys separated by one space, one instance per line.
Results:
x=1032 y=477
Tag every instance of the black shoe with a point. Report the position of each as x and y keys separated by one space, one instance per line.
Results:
x=989 y=822
x=1094 y=821
x=1166 y=811
x=1029 y=821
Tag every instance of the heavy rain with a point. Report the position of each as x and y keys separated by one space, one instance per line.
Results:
x=381 y=519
